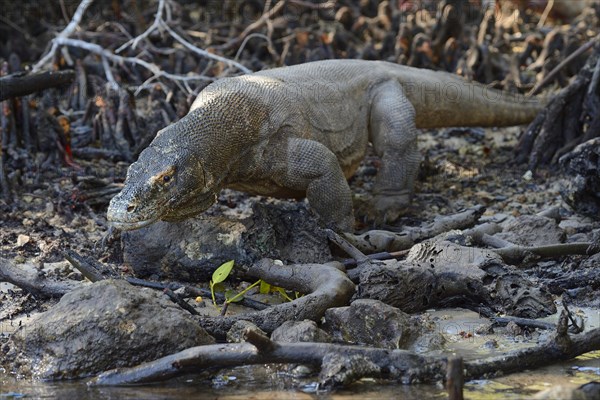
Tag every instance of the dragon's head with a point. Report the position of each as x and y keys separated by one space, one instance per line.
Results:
x=167 y=182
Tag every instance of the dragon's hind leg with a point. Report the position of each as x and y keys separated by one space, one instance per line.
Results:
x=394 y=137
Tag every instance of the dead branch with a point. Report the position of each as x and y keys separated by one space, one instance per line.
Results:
x=155 y=25
x=515 y=254
x=204 y=53
x=552 y=74
x=97 y=49
x=68 y=31
x=397 y=364
x=84 y=266
x=325 y=286
x=34 y=281
x=253 y=26
x=378 y=240
x=527 y=322
x=199 y=358
x=558 y=348
x=22 y=84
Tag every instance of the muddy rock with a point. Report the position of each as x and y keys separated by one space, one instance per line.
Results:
x=300 y=331
x=532 y=230
x=106 y=325
x=191 y=250
x=371 y=322
x=237 y=332
x=443 y=274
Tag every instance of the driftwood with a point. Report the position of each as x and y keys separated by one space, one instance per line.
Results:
x=392 y=364
x=21 y=84
x=325 y=286
x=35 y=282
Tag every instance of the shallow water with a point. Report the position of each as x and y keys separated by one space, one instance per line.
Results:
x=268 y=382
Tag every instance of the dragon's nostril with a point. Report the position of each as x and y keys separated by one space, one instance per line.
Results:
x=130 y=208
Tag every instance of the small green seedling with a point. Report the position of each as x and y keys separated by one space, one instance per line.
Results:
x=223 y=272
x=219 y=276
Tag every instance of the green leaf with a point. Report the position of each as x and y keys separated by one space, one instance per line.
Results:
x=222 y=272
x=283 y=293
x=265 y=288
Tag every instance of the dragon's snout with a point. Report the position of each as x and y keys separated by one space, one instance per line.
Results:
x=122 y=213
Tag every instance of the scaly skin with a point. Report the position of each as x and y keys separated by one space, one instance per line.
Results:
x=302 y=131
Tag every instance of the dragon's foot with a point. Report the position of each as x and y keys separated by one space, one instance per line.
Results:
x=384 y=208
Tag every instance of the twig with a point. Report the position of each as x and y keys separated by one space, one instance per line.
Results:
x=156 y=24
x=346 y=246
x=175 y=298
x=204 y=53
x=253 y=35
x=253 y=26
x=87 y=269
x=313 y=6
x=68 y=31
x=585 y=47
x=97 y=49
x=545 y=14
x=595 y=78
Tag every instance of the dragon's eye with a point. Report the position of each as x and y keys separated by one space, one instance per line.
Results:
x=163 y=177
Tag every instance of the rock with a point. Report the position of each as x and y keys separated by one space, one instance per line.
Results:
x=432 y=341
x=191 y=250
x=102 y=326
x=340 y=370
x=371 y=322
x=300 y=331
x=532 y=230
x=238 y=330
x=588 y=391
x=582 y=191
x=443 y=274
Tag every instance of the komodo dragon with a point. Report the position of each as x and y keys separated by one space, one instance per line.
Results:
x=301 y=131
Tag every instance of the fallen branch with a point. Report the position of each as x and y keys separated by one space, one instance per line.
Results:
x=34 y=282
x=515 y=254
x=86 y=268
x=559 y=347
x=526 y=322
x=393 y=364
x=325 y=286
x=199 y=358
x=378 y=240
x=24 y=84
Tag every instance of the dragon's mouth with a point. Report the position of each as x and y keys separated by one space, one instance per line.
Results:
x=130 y=226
